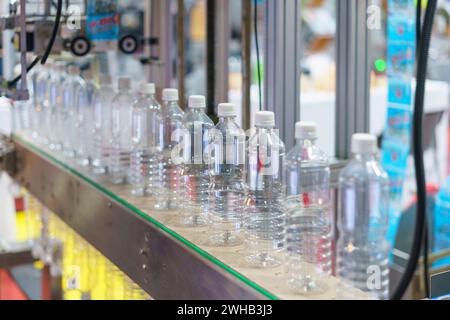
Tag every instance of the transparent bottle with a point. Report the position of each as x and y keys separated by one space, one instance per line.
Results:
x=264 y=214
x=41 y=83
x=145 y=175
x=195 y=171
x=74 y=98
x=101 y=133
x=91 y=91
x=56 y=106
x=227 y=181
x=121 y=138
x=308 y=231
x=172 y=123
x=363 y=203
x=83 y=121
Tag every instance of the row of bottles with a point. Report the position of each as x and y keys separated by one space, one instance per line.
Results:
x=86 y=274
x=243 y=186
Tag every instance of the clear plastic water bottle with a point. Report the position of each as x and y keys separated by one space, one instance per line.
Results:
x=308 y=232
x=363 y=204
x=145 y=175
x=121 y=138
x=74 y=98
x=264 y=213
x=101 y=137
x=172 y=123
x=83 y=121
x=442 y=223
x=41 y=102
x=56 y=106
x=91 y=91
x=195 y=170
x=227 y=186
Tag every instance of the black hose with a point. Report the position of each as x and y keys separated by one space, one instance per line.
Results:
x=50 y=44
x=418 y=22
x=422 y=65
x=425 y=247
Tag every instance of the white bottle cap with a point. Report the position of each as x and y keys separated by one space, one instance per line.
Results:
x=364 y=143
x=73 y=69
x=227 y=110
x=124 y=84
x=197 y=102
x=147 y=88
x=305 y=130
x=265 y=119
x=105 y=80
x=170 y=94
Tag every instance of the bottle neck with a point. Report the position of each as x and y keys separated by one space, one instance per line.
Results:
x=264 y=128
x=171 y=104
x=147 y=96
x=364 y=157
x=306 y=142
x=197 y=110
x=227 y=119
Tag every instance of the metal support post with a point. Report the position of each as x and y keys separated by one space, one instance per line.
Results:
x=282 y=64
x=353 y=74
x=222 y=50
x=246 y=62
x=159 y=18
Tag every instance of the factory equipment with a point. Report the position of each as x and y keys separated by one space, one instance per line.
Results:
x=87 y=217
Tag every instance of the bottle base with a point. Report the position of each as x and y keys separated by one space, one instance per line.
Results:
x=264 y=260
x=307 y=286
x=197 y=221
x=225 y=239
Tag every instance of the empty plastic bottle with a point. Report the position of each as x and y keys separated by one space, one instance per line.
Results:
x=146 y=155
x=196 y=168
x=362 y=249
x=74 y=100
x=91 y=91
x=121 y=138
x=101 y=137
x=83 y=122
x=56 y=106
x=41 y=83
x=442 y=223
x=308 y=232
x=227 y=186
x=264 y=218
x=169 y=196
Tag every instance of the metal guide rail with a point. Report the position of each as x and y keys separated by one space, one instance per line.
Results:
x=167 y=261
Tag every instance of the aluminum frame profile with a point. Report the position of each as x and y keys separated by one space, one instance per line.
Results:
x=246 y=30
x=158 y=15
x=353 y=74
x=222 y=50
x=283 y=64
x=148 y=254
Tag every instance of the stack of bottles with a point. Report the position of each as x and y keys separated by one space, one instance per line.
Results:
x=241 y=186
